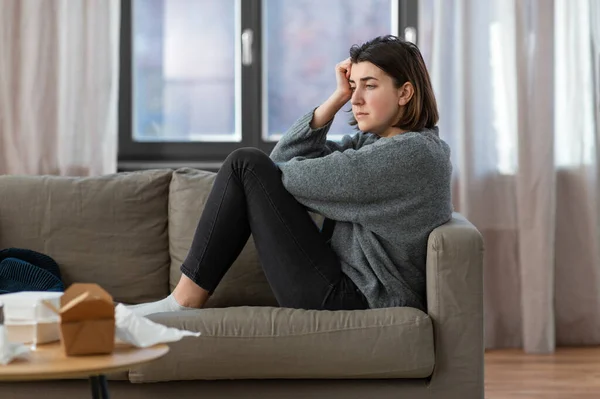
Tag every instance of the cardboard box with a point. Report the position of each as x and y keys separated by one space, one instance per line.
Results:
x=87 y=320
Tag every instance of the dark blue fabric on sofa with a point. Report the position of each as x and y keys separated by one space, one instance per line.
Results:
x=26 y=270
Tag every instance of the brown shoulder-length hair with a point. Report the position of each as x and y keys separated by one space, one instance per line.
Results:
x=402 y=61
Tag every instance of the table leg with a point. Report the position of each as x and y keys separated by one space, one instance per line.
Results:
x=99 y=387
x=104 y=394
x=95 y=386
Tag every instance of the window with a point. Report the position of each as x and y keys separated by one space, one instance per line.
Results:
x=185 y=78
x=200 y=78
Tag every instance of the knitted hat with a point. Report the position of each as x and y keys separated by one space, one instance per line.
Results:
x=26 y=270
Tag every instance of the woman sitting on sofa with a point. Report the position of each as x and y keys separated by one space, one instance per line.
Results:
x=382 y=192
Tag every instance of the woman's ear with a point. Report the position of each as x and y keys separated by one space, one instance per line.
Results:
x=406 y=92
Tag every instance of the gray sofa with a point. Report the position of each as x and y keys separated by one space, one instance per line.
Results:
x=129 y=232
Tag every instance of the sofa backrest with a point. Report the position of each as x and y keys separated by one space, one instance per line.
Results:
x=110 y=230
x=245 y=282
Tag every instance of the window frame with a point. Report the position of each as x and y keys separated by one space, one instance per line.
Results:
x=134 y=155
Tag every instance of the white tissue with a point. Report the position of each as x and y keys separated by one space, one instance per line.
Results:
x=142 y=332
x=10 y=351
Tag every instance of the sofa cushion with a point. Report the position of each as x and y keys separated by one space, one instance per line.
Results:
x=110 y=230
x=245 y=282
x=264 y=342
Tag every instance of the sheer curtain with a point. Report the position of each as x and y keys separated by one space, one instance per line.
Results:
x=59 y=86
x=517 y=87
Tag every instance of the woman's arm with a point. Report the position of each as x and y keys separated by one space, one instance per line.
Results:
x=342 y=94
x=350 y=186
x=301 y=140
x=307 y=136
x=324 y=114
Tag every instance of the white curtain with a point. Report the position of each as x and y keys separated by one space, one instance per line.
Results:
x=517 y=88
x=59 y=86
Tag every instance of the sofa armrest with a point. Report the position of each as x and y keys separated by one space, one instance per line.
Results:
x=455 y=305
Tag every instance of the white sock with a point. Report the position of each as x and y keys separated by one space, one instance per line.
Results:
x=169 y=304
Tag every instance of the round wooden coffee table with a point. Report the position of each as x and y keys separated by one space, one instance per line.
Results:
x=48 y=362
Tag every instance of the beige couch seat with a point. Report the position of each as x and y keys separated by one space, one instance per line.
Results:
x=264 y=342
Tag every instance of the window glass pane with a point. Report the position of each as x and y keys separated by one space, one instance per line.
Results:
x=185 y=80
x=303 y=41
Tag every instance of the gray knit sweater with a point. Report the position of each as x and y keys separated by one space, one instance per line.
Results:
x=386 y=196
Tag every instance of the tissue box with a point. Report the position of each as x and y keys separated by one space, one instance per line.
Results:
x=23 y=309
x=87 y=320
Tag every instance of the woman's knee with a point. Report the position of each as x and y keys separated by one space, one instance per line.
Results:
x=248 y=156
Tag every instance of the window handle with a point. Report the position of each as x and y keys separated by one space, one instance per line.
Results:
x=410 y=34
x=247 y=40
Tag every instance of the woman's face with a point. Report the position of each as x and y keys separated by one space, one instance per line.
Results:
x=376 y=103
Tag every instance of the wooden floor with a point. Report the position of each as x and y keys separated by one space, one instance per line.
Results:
x=570 y=373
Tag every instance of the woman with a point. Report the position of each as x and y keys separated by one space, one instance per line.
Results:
x=383 y=190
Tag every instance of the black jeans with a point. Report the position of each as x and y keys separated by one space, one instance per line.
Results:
x=248 y=196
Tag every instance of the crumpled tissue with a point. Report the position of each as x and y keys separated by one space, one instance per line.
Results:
x=10 y=351
x=142 y=332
